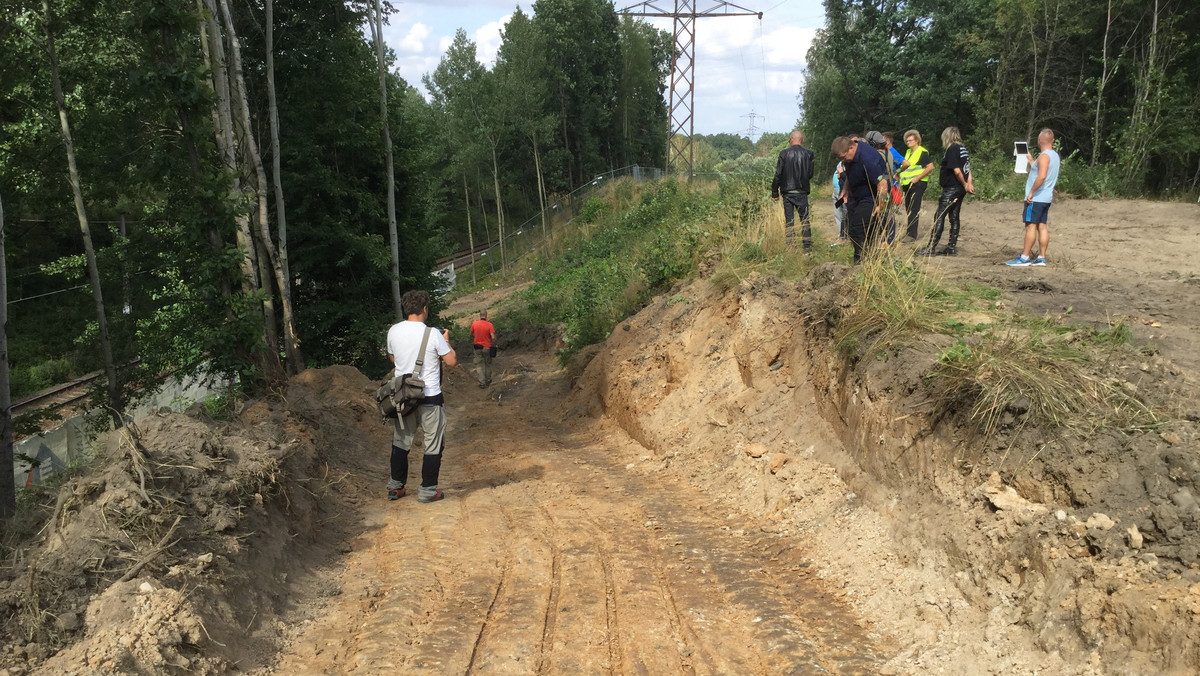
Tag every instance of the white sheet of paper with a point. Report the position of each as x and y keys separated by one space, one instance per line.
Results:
x=1022 y=165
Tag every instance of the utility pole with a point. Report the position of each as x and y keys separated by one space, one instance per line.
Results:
x=753 y=130
x=683 y=65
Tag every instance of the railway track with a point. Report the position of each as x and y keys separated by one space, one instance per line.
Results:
x=57 y=396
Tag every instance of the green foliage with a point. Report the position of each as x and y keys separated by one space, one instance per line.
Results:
x=598 y=279
x=593 y=210
x=219 y=406
x=1117 y=82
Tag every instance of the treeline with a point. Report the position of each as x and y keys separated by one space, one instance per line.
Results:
x=234 y=201
x=1117 y=80
x=723 y=151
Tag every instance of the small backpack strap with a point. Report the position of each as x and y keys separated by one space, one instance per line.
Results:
x=421 y=352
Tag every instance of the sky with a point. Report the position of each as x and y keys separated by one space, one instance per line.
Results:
x=743 y=66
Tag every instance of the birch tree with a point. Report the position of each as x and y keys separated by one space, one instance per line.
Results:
x=295 y=356
x=393 y=232
x=115 y=404
x=250 y=146
x=8 y=484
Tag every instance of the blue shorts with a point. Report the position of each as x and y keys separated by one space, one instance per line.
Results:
x=1037 y=212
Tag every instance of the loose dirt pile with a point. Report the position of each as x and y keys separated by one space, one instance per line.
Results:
x=177 y=549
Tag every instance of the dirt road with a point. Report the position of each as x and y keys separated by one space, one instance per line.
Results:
x=547 y=557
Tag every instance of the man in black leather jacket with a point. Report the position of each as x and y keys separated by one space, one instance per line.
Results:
x=793 y=173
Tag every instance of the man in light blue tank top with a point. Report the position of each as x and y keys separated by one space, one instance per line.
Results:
x=1039 y=192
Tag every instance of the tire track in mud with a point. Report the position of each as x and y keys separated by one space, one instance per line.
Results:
x=562 y=562
x=550 y=619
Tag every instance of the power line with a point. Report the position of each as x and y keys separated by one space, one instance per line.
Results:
x=683 y=66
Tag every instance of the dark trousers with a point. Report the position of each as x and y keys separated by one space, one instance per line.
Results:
x=796 y=204
x=913 y=192
x=431 y=466
x=949 y=206
x=864 y=231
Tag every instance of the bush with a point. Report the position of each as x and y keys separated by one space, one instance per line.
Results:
x=606 y=273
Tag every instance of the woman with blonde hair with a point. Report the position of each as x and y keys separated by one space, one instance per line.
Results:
x=914 y=179
x=956 y=182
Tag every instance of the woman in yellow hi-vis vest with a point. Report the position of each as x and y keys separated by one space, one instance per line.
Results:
x=914 y=178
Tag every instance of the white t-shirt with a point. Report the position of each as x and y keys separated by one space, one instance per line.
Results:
x=403 y=341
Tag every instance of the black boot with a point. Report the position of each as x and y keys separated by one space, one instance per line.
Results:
x=951 y=248
x=933 y=240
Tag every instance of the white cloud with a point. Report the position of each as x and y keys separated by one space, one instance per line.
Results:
x=487 y=41
x=743 y=66
x=414 y=41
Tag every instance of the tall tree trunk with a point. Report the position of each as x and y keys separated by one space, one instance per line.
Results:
x=541 y=184
x=377 y=30
x=470 y=233
x=115 y=405
x=1100 y=85
x=264 y=228
x=223 y=124
x=499 y=205
x=8 y=485
x=216 y=242
x=126 y=295
x=294 y=355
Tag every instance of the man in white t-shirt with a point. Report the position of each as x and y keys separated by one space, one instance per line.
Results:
x=403 y=343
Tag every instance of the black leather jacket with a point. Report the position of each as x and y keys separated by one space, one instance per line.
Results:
x=793 y=171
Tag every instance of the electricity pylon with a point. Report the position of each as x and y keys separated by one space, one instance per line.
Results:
x=683 y=65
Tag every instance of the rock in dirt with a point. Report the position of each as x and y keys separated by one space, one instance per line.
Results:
x=1006 y=498
x=1134 y=537
x=68 y=622
x=1184 y=500
x=1170 y=437
x=778 y=460
x=756 y=450
x=1100 y=522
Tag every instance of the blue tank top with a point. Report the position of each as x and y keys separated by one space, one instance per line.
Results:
x=1044 y=194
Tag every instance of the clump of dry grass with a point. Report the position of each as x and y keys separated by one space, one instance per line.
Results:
x=1052 y=380
x=894 y=299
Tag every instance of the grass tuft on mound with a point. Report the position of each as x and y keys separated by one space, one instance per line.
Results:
x=1053 y=381
x=894 y=301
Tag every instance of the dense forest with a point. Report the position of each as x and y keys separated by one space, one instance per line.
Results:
x=244 y=189
x=1117 y=80
x=197 y=164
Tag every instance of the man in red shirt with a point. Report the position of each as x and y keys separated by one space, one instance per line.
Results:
x=483 y=335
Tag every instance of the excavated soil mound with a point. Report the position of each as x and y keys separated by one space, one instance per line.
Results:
x=1014 y=554
x=174 y=550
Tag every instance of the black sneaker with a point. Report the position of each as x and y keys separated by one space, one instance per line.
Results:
x=948 y=251
x=924 y=251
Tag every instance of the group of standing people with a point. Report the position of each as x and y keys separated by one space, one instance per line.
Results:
x=871 y=172
x=873 y=177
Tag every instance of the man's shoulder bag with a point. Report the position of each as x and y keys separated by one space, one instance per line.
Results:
x=400 y=395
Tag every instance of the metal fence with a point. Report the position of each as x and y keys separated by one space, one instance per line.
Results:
x=528 y=236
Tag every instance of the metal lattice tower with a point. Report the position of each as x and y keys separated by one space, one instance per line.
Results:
x=683 y=66
x=753 y=127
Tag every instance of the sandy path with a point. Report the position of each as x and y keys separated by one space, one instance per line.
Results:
x=547 y=557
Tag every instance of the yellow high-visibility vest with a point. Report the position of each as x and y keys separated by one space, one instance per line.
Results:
x=913 y=169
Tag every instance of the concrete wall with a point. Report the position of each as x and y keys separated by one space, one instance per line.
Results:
x=68 y=444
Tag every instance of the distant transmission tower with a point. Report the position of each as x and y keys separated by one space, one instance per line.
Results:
x=683 y=65
x=753 y=127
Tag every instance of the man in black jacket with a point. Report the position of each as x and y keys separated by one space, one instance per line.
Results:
x=793 y=172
